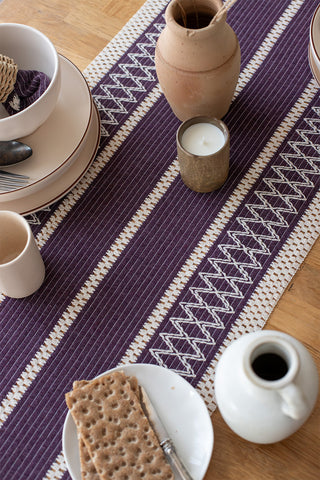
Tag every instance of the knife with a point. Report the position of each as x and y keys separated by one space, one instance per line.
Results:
x=179 y=470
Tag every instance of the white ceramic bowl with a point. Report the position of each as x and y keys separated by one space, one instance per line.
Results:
x=314 y=37
x=31 y=50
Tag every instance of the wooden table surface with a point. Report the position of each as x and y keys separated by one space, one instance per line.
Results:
x=79 y=30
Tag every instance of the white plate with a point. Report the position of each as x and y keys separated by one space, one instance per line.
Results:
x=314 y=35
x=313 y=67
x=62 y=185
x=59 y=140
x=181 y=409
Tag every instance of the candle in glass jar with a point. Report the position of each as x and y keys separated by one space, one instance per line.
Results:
x=202 y=139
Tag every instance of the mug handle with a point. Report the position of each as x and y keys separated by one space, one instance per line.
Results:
x=294 y=403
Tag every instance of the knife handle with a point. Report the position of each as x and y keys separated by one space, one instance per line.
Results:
x=179 y=470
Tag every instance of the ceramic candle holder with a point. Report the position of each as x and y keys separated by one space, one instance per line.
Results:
x=205 y=167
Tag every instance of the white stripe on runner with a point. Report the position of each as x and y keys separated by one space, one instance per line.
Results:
x=111 y=256
x=57 y=469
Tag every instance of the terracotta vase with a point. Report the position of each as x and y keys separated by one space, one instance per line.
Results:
x=197 y=63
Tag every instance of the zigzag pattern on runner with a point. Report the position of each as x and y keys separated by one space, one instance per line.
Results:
x=242 y=252
x=127 y=81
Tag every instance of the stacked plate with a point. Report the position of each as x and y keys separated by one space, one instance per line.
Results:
x=63 y=147
x=314 y=45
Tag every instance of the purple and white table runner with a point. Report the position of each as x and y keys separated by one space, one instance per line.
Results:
x=139 y=267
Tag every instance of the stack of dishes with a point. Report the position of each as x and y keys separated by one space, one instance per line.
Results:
x=63 y=147
x=314 y=45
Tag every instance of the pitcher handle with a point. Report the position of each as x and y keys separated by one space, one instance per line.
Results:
x=294 y=403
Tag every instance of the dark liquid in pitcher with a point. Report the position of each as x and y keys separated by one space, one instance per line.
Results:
x=270 y=366
x=193 y=21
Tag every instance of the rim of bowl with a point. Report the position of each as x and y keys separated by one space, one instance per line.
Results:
x=55 y=73
x=312 y=29
x=73 y=153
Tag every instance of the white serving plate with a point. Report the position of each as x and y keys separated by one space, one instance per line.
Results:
x=60 y=186
x=314 y=40
x=179 y=406
x=59 y=141
x=313 y=67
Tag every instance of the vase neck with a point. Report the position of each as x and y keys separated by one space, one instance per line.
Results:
x=199 y=49
x=186 y=16
x=271 y=362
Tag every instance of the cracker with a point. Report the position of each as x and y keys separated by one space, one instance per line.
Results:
x=133 y=382
x=87 y=468
x=115 y=430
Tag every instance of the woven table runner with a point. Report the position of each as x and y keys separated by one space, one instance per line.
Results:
x=139 y=267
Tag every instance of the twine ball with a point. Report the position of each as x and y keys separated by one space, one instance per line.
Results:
x=8 y=76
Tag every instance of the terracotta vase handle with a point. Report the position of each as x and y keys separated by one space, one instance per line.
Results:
x=225 y=7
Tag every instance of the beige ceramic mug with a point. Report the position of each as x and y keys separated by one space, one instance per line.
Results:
x=22 y=270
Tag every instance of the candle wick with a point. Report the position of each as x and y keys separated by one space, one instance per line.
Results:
x=203 y=141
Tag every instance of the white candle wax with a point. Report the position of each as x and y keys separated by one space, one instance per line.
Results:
x=202 y=139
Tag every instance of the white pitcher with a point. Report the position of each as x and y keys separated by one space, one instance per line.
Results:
x=266 y=386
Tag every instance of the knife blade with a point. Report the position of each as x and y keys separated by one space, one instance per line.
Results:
x=179 y=470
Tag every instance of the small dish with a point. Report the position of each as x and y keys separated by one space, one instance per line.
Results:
x=179 y=406
x=61 y=185
x=59 y=140
x=30 y=49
